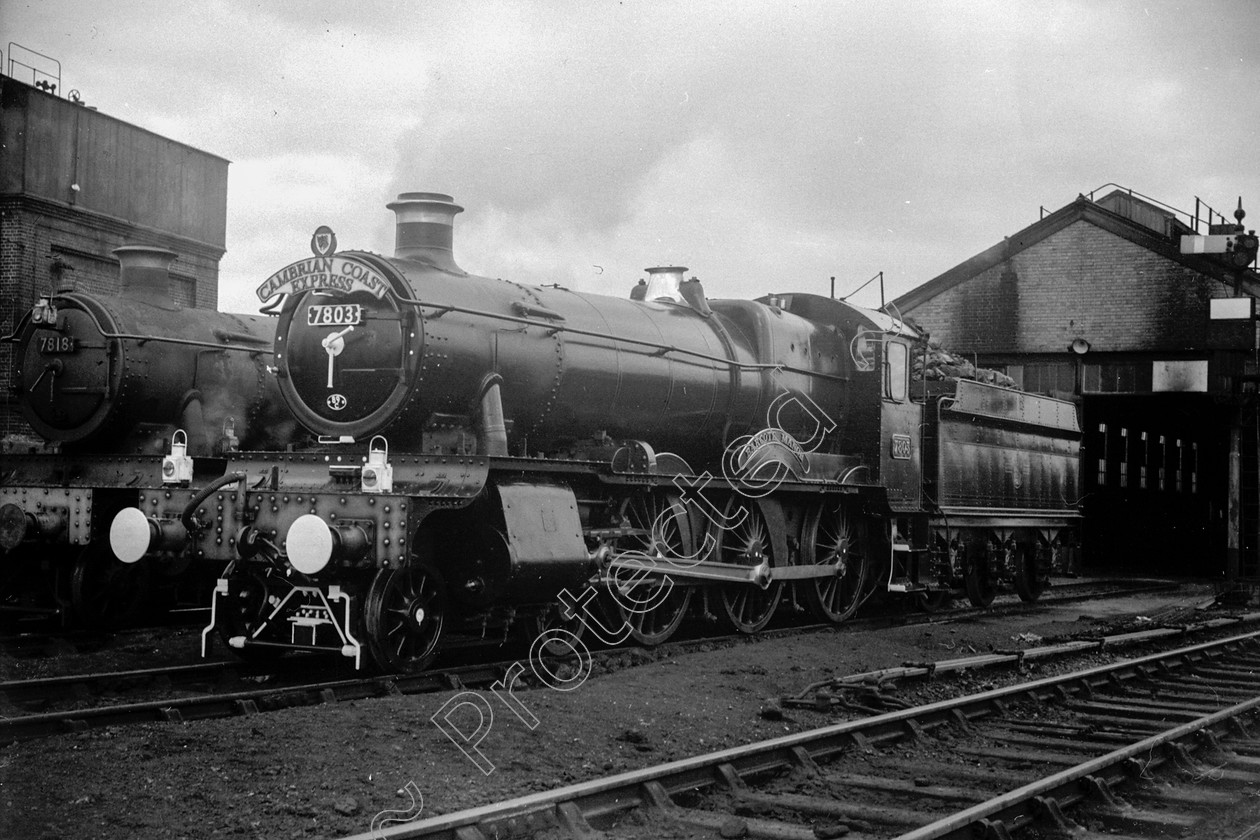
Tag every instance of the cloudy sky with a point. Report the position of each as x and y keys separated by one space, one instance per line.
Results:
x=765 y=145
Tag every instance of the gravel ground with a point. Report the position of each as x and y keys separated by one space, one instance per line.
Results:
x=326 y=771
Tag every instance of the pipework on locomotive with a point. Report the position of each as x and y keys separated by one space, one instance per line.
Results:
x=486 y=445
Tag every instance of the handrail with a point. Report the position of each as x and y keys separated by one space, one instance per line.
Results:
x=35 y=71
x=1191 y=219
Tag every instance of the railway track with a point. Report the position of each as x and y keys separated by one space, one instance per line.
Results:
x=1152 y=746
x=75 y=703
x=207 y=690
x=42 y=639
x=45 y=638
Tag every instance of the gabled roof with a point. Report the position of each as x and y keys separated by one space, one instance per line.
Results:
x=1082 y=209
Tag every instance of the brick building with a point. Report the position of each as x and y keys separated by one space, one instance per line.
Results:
x=76 y=184
x=1095 y=302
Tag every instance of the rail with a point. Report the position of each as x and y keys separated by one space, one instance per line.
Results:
x=49 y=692
x=1096 y=697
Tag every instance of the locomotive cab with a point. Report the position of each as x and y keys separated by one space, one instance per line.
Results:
x=885 y=431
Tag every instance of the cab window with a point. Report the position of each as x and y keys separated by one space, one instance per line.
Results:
x=896 y=370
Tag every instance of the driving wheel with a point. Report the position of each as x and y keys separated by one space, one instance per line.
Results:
x=652 y=605
x=834 y=536
x=744 y=540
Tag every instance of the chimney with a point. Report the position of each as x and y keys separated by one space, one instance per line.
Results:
x=145 y=274
x=663 y=283
x=425 y=229
x=62 y=275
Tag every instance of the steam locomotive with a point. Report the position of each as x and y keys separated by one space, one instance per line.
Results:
x=133 y=393
x=488 y=449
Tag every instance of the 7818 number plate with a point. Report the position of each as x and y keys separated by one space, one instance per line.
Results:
x=334 y=315
x=56 y=344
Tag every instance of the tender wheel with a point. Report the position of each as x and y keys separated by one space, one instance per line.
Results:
x=980 y=581
x=665 y=533
x=404 y=614
x=106 y=593
x=746 y=607
x=835 y=536
x=1029 y=580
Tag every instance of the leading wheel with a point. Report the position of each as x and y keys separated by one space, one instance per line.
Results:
x=834 y=536
x=652 y=605
x=745 y=541
x=1029 y=581
x=403 y=615
x=933 y=600
x=241 y=610
x=29 y=578
x=554 y=616
x=106 y=593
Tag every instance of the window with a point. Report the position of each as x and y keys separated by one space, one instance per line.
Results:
x=1116 y=378
x=1102 y=462
x=1177 y=472
x=1163 y=460
x=1194 y=467
x=1044 y=377
x=1124 y=458
x=1145 y=452
x=895 y=370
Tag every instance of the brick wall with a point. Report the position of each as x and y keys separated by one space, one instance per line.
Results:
x=1081 y=282
x=16 y=294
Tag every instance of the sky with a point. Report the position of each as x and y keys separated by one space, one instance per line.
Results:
x=767 y=146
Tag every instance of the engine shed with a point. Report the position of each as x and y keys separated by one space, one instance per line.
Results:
x=1105 y=302
x=75 y=184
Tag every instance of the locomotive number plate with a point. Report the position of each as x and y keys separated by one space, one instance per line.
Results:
x=334 y=315
x=49 y=344
x=901 y=447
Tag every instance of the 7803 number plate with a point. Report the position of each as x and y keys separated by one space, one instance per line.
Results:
x=334 y=315
x=901 y=447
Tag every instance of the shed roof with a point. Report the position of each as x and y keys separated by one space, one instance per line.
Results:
x=1121 y=221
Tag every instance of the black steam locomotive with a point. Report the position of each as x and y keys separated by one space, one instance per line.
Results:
x=489 y=449
x=133 y=393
